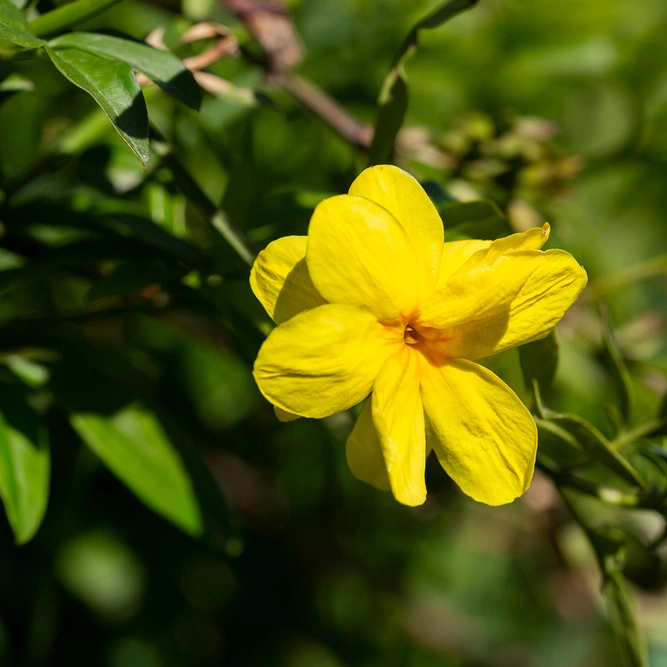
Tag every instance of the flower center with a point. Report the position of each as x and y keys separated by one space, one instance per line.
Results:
x=411 y=336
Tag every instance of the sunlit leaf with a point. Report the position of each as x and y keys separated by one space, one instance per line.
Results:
x=113 y=86
x=24 y=473
x=133 y=445
x=14 y=27
x=163 y=67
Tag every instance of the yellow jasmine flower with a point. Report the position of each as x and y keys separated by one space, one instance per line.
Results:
x=374 y=305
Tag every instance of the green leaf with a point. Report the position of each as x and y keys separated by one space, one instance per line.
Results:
x=616 y=366
x=598 y=447
x=631 y=643
x=133 y=445
x=393 y=100
x=558 y=445
x=113 y=86
x=650 y=459
x=66 y=16
x=25 y=466
x=13 y=84
x=163 y=67
x=393 y=104
x=473 y=220
x=437 y=193
x=539 y=361
x=14 y=27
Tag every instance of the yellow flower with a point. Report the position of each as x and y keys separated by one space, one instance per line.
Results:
x=374 y=305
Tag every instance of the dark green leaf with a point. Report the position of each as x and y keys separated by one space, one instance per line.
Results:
x=473 y=220
x=539 y=361
x=134 y=447
x=650 y=459
x=163 y=67
x=643 y=566
x=437 y=193
x=112 y=85
x=25 y=466
x=662 y=416
x=609 y=544
x=558 y=445
x=598 y=447
x=393 y=100
x=14 y=27
x=393 y=105
x=631 y=643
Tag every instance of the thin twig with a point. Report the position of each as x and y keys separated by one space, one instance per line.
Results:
x=327 y=109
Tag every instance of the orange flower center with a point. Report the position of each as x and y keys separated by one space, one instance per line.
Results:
x=431 y=343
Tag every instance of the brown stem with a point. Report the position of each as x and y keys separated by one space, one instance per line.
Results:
x=333 y=114
x=271 y=25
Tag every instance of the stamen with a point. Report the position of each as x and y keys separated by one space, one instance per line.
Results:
x=411 y=335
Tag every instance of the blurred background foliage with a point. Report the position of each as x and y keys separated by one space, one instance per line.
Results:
x=128 y=331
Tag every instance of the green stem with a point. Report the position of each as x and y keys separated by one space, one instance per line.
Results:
x=61 y=19
x=638 y=433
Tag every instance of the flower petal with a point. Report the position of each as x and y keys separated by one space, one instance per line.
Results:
x=360 y=255
x=479 y=289
x=398 y=416
x=280 y=279
x=403 y=196
x=456 y=253
x=283 y=415
x=540 y=304
x=364 y=451
x=323 y=360
x=485 y=438
x=531 y=239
